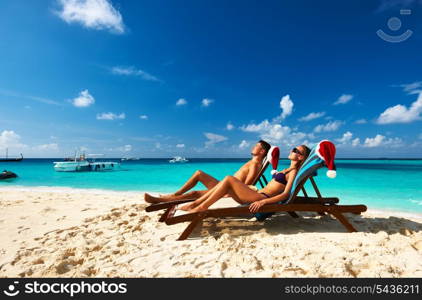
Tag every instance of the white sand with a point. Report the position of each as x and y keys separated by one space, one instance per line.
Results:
x=49 y=232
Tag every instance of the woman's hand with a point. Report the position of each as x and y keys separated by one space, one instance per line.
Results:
x=254 y=207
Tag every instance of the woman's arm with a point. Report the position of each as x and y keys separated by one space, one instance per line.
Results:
x=254 y=207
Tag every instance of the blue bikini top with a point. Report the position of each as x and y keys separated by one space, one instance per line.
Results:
x=280 y=177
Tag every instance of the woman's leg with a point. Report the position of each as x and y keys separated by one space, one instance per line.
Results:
x=200 y=199
x=198 y=176
x=234 y=187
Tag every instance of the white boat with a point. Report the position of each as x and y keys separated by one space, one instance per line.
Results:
x=84 y=165
x=178 y=159
x=129 y=158
x=71 y=166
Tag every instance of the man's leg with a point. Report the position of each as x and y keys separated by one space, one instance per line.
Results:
x=198 y=176
x=190 y=195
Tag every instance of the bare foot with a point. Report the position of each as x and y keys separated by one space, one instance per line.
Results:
x=197 y=209
x=151 y=199
x=186 y=207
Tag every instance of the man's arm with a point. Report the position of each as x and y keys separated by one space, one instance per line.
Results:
x=252 y=173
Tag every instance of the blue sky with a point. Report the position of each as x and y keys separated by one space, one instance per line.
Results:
x=209 y=78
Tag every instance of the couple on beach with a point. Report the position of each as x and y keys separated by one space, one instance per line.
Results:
x=238 y=186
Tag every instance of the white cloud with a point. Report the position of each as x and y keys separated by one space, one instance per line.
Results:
x=180 y=146
x=84 y=99
x=380 y=140
x=356 y=142
x=110 y=116
x=206 y=102
x=401 y=114
x=125 y=148
x=95 y=14
x=330 y=126
x=47 y=147
x=347 y=140
x=361 y=121
x=343 y=99
x=10 y=139
x=34 y=98
x=229 y=126
x=374 y=142
x=143 y=117
x=181 y=101
x=286 y=104
x=347 y=137
x=312 y=116
x=132 y=71
x=214 y=139
x=244 y=144
x=420 y=136
x=276 y=133
x=412 y=88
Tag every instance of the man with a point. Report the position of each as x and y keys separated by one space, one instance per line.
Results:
x=246 y=174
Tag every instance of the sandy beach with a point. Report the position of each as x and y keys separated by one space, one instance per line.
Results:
x=59 y=232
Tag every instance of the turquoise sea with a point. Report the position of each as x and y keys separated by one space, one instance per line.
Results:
x=379 y=184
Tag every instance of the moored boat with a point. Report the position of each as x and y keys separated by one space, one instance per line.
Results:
x=178 y=159
x=10 y=159
x=7 y=175
x=82 y=164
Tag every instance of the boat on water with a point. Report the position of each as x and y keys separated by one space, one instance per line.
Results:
x=84 y=164
x=129 y=158
x=11 y=159
x=7 y=175
x=178 y=159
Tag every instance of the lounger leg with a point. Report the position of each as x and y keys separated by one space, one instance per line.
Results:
x=293 y=214
x=165 y=215
x=185 y=234
x=343 y=220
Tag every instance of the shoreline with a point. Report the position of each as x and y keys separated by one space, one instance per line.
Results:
x=71 y=190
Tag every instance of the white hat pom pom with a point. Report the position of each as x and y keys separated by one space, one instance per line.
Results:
x=273 y=172
x=331 y=173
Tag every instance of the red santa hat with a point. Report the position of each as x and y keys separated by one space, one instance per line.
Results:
x=273 y=156
x=327 y=151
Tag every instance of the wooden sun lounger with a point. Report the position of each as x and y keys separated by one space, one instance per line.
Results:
x=319 y=204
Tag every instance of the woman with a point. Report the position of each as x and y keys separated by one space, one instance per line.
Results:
x=278 y=189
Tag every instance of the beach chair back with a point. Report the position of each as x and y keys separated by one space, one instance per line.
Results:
x=309 y=168
x=321 y=155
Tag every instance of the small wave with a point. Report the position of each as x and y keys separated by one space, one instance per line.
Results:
x=418 y=202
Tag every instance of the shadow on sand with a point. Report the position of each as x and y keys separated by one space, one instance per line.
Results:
x=307 y=223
